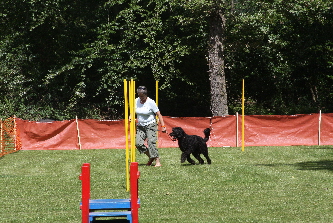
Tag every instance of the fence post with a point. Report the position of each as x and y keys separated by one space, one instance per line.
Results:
x=319 y=127
x=1 y=138
x=78 y=133
x=236 y=129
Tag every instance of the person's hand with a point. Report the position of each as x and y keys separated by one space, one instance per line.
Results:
x=163 y=129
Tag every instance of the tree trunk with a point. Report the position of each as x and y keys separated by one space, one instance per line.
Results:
x=218 y=87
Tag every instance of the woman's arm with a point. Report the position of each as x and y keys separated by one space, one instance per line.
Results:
x=160 y=117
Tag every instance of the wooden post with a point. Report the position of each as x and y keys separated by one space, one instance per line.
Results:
x=319 y=127
x=236 y=129
x=243 y=117
x=156 y=86
x=15 y=133
x=1 y=138
x=78 y=132
x=85 y=178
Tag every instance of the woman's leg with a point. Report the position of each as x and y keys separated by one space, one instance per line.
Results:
x=140 y=140
x=152 y=141
x=140 y=143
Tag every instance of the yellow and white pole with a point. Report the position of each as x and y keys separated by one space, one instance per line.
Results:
x=78 y=133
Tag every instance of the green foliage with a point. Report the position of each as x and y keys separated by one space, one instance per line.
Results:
x=283 y=50
x=61 y=59
x=78 y=53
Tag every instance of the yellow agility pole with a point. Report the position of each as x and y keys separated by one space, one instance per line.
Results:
x=157 y=93
x=131 y=116
x=243 y=118
x=134 y=123
x=126 y=135
x=156 y=115
x=129 y=93
x=132 y=108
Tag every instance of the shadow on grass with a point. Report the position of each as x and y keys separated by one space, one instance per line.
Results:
x=308 y=165
x=316 y=165
x=319 y=147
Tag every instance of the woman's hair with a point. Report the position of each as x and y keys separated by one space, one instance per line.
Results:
x=142 y=89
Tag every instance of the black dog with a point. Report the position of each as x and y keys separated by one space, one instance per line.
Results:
x=191 y=144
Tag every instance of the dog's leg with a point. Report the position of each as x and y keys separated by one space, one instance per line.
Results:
x=183 y=157
x=198 y=157
x=186 y=156
x=205 y=153
x=208 y=160
x=190 y=160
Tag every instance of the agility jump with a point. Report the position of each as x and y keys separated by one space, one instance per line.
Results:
x=92 y=209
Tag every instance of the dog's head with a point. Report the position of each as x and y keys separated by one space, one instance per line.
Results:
x=177 y=133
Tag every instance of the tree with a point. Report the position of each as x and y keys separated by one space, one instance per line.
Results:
x=59 y=59
x=282 y=50
x=219 y=105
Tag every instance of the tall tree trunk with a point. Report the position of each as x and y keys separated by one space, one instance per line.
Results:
x=218 y=89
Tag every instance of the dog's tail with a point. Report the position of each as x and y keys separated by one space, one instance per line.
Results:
x=207 y=134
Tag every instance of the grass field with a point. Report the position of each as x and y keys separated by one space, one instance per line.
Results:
x=261 y=184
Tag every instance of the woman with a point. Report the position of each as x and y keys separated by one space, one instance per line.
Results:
x=146 y=111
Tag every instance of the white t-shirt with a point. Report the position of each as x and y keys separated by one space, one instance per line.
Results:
x=146 y=112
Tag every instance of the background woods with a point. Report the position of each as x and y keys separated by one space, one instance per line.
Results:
x=62 y=58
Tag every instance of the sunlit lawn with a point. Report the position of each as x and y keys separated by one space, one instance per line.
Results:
x=260 y=184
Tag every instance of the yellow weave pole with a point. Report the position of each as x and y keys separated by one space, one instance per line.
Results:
x=132 y=107
x=156 y=116
x=130 y=111
x=134 y=124
x=126 y=135
x=131 y=116
x=243 y=118
x=157 y=93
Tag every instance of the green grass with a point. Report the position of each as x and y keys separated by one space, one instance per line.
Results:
x=261 y=184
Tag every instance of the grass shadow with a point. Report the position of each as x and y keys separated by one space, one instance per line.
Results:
x=316 y=165
x=319 y=147
x=308 y=165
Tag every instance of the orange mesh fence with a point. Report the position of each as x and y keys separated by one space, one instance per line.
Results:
x=281 y=130
x=224 y=132
x=326 y=129
x=191 y=125
x=102 y=134
x=64 y=135
x=265 y=130
x=9 y=140
x=48 y=135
